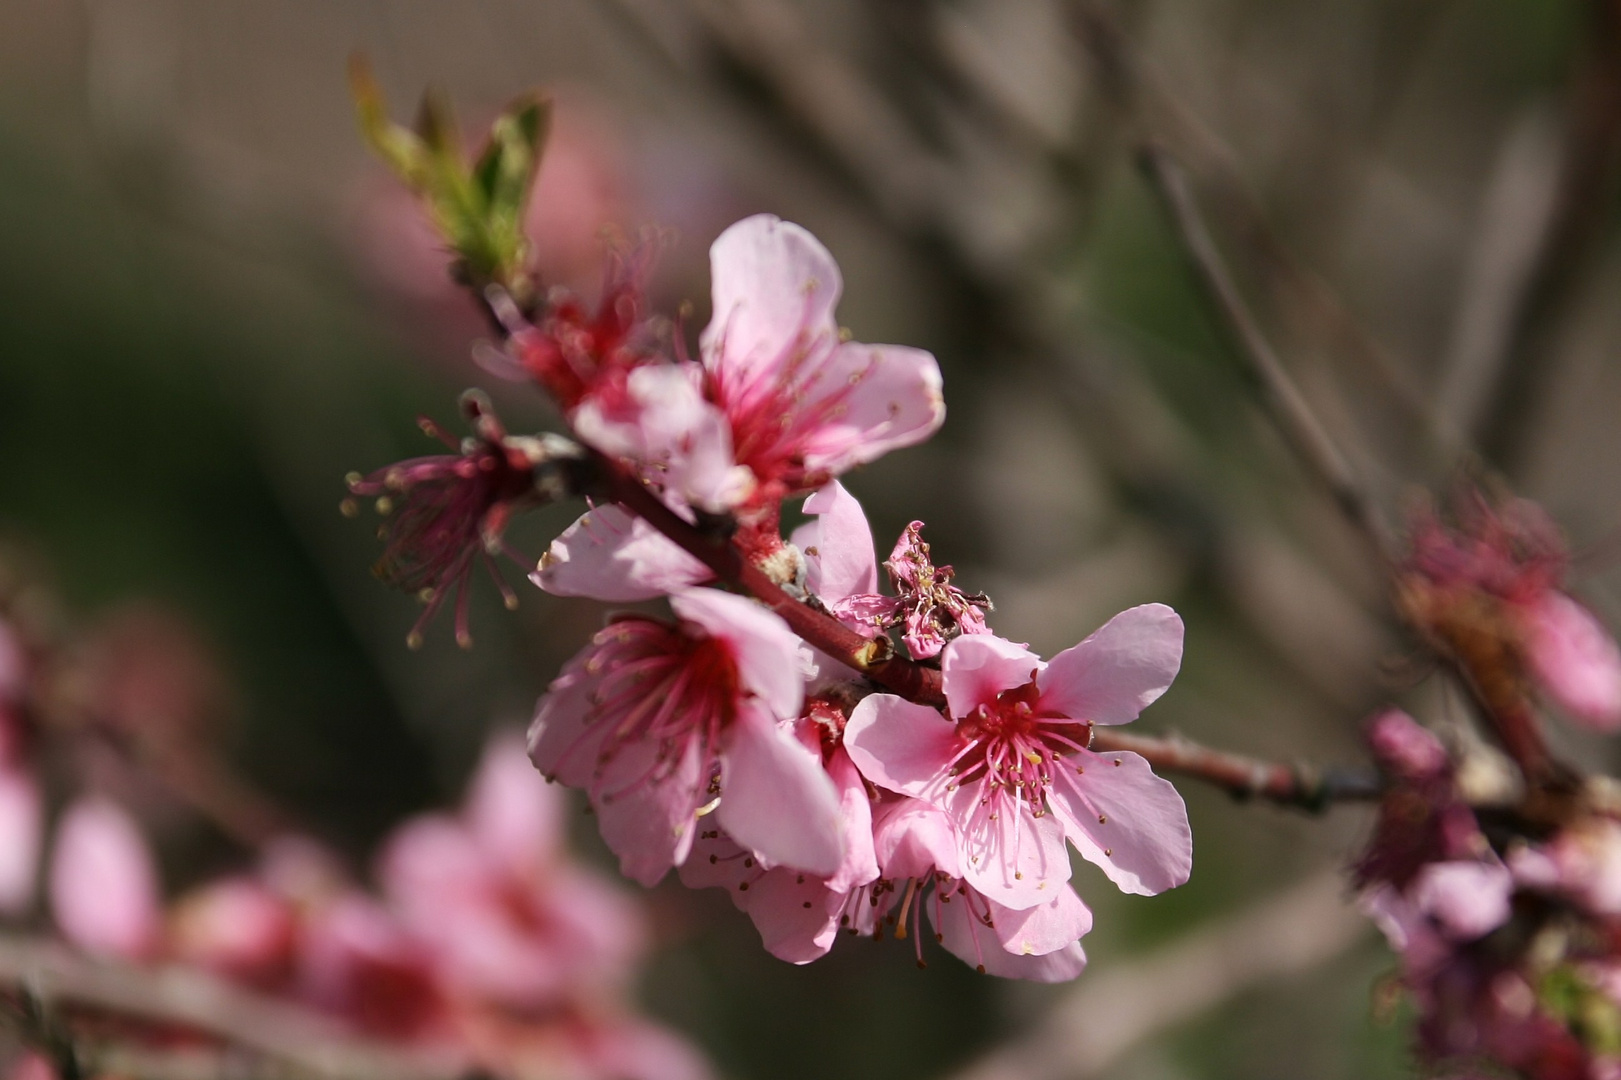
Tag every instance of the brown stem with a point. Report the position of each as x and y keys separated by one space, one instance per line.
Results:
x=1298 y=785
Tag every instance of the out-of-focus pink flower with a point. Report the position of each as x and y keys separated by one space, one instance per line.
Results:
x=1406 y=748
x=103 y=882
x=1011 y=766
x=803 y=404
x=1422 y=819
x=1497 y=578
x=356 y=961
x=449 y=512
x=1581 y=862
x=1575 y=659
x=505 y=917
x=656 y=719
x=22 y=823
x=238 y=928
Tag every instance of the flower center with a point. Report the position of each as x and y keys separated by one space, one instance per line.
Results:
x=668 y=686
x=1013 y=745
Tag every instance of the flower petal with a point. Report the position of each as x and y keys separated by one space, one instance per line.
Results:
x=839 y=558
x=900 y=745
x=766 y=651
x=1124 y=819
x=1468 y=899
x=877 y=398
x=564 y=738
x=978 y=667
x=774 y=287
x=776 y=800
x=913 y=839
x=980 y=947
x=796 y=914
x=613 y=555
x=648 y=809
x=1044 y=928
x=104 y=882
x=21 y=829
x=1119 y=670
x=1576 y=660
x=515 y=815
x=860 y=863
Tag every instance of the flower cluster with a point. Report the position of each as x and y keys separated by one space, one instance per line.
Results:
x=1489 y=590
x=486 y=946
x=720 y=743
x=1509 y=936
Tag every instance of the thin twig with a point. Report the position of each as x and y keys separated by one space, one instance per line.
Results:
x=1286 y=404
x=1302 y=786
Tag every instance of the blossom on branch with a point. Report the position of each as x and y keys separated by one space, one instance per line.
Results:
x=1010 y=765
x=658 y=720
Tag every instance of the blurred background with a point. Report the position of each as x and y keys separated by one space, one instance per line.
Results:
x=214 y=304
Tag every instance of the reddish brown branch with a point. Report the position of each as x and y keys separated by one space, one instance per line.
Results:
x=1298 y=785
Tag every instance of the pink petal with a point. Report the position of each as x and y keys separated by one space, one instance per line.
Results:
x=21 y=832
x=1124 y=819
x=1010 y=855
x=900 y=745
x=235 y=926
x=839 y=559
x=774 y=287
x=777 y=800
x=887 y=397
x=104 y=882
x=796 y=914
x=610 y=554
x=913 y=839
x=1468 y=899
x=665 y=425
x=648 y=815
x=978 y=946
x=1045 y=928
x=860 y=863
x=1121 y=669
x=516 y=816
x=564 y=742
x=1576 y=660
x=978 y=667
x=1404 y=746
x=766 y=651
x=638 y=1050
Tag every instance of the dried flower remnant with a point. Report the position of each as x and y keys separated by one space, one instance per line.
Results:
x=655 y=720
x=449 y=512
x=933 y=610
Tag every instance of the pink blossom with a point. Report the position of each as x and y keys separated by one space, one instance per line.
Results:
x=918 y=846
x=1498 y=576
x=237 y=927
x=932 y=609
x=21 y=834
x=358 y=962
x=804 y=405
x=1575 y=659
x=1011 y=768
x=797 y=914
x=1581 y=862
x=104 y=883
x=655 y=720
x=611 y=554
x=490 y=894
